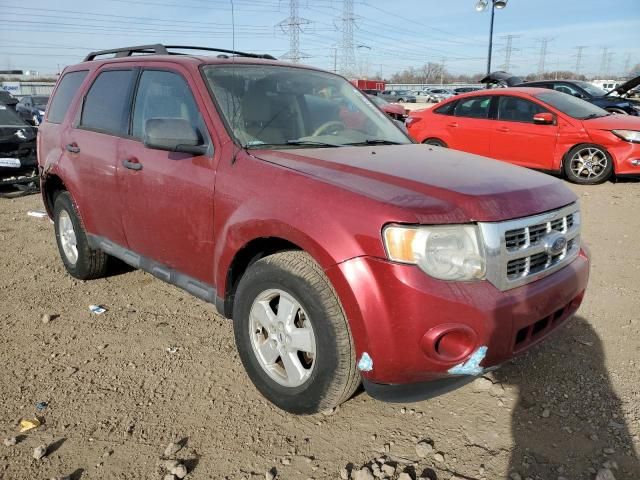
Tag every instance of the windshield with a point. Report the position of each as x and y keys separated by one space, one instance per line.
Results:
x=269 y=106
x=570 y=105
x=591 y=89
x=381 y=102
x=40 y=100
x=9 y=118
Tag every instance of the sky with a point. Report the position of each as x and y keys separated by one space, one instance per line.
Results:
x=389 y=36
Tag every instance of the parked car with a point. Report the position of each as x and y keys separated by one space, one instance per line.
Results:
x=535 y=128
x=614 y=101
x=440 y=94
x=422 y=96
x=18 y=163
x=32 y=107
x=7 y=99
x=459 y=90
x=318 y=240
x=399 y=96
x=393 y=110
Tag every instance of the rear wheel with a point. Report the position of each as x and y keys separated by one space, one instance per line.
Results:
x=80 y=260
x=401 y=100
x=588 y=164
x=292 y=335
x=617 y=111
x=435 y=142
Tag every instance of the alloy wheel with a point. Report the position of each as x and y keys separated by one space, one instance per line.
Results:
x=68 y=239
x=588 y=163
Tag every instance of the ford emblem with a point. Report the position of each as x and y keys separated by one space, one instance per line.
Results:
x=556 y=244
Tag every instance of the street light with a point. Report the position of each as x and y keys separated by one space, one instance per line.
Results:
x=481 y=6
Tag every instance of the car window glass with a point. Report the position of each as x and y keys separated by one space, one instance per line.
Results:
x=475 y=107
x=446 y=109
x=106 y=107
x=164 y=94
x=565 y=88
x=516 y=109
x=65 y=92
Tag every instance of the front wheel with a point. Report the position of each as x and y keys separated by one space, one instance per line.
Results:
x=617 y=111
x=292 y=334
x=435 y=142
x=588 y=164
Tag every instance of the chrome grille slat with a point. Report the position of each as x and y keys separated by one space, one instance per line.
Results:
x=518 y=251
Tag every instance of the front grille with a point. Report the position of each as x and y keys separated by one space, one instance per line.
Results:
x=526 y=249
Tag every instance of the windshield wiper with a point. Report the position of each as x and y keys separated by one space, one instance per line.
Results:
x=312 y=143
x=594 y=115
x=375 y=141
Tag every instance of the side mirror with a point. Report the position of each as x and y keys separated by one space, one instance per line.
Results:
x=544 y=118
x=172 y=135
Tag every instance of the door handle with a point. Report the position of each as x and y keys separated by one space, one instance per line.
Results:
x=132 y=164
x=73 y=148
x=453 y=124
x=503 y=129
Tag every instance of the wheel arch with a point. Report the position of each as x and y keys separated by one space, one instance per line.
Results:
x=565 y=156
x=51 y=186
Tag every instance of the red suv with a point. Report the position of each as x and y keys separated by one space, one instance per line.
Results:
x=343 y=252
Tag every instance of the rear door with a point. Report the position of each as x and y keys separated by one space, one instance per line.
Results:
x=470 y=126
x=516 y=139
x=91 y=144
x=168 y=196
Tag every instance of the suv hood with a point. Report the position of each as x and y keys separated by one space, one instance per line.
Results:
x=501 y=78
x=626 y=86
x=435 y=185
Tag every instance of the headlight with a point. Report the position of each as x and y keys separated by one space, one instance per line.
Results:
x=628 y=135
x=40 y=112
x=447 y=252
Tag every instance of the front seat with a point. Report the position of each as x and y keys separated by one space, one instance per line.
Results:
x=258 y=116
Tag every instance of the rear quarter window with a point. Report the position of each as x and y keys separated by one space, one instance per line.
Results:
x=69 y=85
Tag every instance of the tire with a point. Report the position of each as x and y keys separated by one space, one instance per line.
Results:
x=329 y=375
x=401 y=100
x=588 y=164
x=80 y=260
x=435 y=142
x=617 y=111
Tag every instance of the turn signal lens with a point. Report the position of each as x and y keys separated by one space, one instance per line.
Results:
x=398 y=241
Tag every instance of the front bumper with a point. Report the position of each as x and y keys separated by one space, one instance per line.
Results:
x=626 y=156
x=393 y=308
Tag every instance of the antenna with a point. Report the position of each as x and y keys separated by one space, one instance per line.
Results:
x=293 y=26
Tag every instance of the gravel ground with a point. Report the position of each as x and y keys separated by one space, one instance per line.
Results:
x=160 y=366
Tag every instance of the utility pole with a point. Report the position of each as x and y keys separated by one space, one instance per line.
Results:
x=347 y=53
x=293 y=26
x=508 y=50
x=544 y=42
x=578 y=55
x=603 y=62
x=335 y=60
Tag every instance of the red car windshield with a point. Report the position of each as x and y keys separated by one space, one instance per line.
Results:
x=570 y=105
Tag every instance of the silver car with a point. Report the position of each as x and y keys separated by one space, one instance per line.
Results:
x=440 y=94
x=422 y=96
x=398 y=96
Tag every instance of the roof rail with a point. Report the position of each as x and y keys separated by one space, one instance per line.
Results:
x=159 y=49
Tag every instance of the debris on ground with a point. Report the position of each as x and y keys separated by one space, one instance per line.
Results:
x=39 y=452
x=27 y=424
x=423 y=448
x=46 y=318
x=40 y=406
x=37 y=213
x=172 y=449
x=172 y=349
x=97 y=309
x=179 y=470
x=10 y=441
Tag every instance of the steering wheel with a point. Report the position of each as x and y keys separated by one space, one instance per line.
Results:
x=325 y=128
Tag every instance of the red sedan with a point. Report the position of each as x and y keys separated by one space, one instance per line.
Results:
x=535 y=128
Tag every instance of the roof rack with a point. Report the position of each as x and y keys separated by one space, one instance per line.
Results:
x=159 y=49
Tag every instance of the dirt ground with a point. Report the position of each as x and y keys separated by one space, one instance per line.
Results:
x=161 y=366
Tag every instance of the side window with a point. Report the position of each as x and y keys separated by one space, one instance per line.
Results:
x=65 y=92
x=164 y=94
x=446 y=109
x=474 y=107
x=564 y=88
x=106 y=107
x=515 y=109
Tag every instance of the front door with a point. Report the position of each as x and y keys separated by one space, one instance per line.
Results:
x=168 y=212
x=516 y=139
x=470 y=127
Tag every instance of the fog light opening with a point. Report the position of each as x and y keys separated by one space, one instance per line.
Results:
x=454 y=345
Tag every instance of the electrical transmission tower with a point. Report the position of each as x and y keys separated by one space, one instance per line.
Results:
x=609 y=62
x=627 y=64
x=293 y=26
x=544 y=42
x=578 y=55
x=508 y=50
x=603 y=61
x=347 y=49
